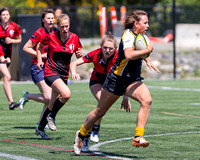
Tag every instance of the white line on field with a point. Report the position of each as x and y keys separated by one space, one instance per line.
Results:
x=197 y=104
x=176 y=89
x=11 y=156
x=95 y=148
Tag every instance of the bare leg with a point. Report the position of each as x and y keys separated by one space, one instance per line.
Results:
x=106 y=101
x=96 y=91
x=139 y=92
x=5 y=73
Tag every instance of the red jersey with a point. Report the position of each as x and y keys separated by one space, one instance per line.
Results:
x=59 y=54
x=39 y=35
x=12 y=30
x=101 y=69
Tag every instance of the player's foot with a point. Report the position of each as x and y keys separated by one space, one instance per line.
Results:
x=42 y=133
x=13 y=105
x=46 y=127
x=140 y=142
x=94 y=137
x=85 y=146
x=78 y=143
x=23 y=100
x=51 y=122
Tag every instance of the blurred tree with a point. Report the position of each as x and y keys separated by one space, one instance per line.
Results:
x=22 y=3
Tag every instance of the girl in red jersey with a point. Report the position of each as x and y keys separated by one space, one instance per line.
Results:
x=124 y=78
x=103 y=59
x=37 y=75
x=10 y=33
x=61 y=46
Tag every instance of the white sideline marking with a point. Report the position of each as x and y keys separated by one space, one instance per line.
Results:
x=95 y=148
x=197 y=104
x=176 y=89
x=11 y=156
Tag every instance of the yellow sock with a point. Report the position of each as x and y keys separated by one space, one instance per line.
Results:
x=83 y=131
x=139 y=131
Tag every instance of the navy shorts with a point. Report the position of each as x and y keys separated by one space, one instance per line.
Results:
x=36 y=74
x=50 y=79
x=118 y=84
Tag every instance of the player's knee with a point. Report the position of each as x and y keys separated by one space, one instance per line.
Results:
x=47 y=98
x=7 y=78
x=147 y=102
x=65 y=97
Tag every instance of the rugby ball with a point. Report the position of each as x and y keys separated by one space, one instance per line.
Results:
x=141 y=43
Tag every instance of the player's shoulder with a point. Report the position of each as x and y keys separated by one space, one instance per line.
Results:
x=128 y=34
x=14 y=24
x=73 y=35
x=96 y=52
x=39 y=30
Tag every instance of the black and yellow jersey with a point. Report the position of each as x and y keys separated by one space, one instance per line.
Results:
x=124 y=67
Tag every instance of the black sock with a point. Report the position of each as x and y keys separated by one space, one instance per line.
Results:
x=88 y=135
x=43 y=121
x=96 y=128
x=56 y=107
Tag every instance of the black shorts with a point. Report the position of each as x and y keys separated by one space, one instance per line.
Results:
x=118 y=84
x=93 y=82
x=50 y=79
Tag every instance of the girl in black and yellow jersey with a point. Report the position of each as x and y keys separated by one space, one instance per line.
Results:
x=124 y=78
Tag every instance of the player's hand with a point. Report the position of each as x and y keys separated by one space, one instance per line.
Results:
x=40 y=65
x=8 y=40
x=126 y=105
x=76 y=76
x=7 y=60
x=79 y=53
x=151 y=66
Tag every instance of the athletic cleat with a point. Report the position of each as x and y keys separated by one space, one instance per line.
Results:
x=23 y=100
x=13 y=105
x=51 y=122
x=140 y=142
x=46 y=127
x=94 y=137
x=85 y=146
x=42 y=133
x=78 y=143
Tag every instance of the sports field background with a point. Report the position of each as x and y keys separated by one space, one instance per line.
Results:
x=173 y=128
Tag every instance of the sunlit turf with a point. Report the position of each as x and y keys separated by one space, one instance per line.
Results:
x=175 y=109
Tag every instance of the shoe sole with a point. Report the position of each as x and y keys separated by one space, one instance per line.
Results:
x=75 y=147
x=136 y=144
x=21 y=107
x=52 y=128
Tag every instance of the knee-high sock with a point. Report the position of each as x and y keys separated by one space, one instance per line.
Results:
x=43 y=121
x=56 y=107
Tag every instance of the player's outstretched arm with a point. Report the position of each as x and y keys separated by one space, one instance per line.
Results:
x=73 y=66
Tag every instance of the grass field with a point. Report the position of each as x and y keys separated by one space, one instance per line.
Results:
x=173 y=128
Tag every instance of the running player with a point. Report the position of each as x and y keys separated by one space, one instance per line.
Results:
x=61 y=46
x=103 y=59
x=37 y=75
x=124 y=78
x=10 y=33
